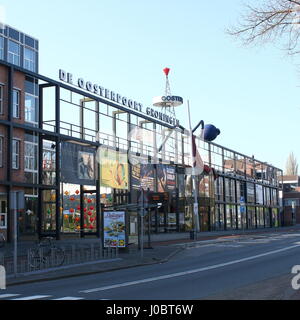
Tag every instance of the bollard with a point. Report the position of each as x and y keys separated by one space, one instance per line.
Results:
x=2 y=278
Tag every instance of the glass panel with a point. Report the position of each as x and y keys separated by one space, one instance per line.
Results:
x=48 y=210
x=49 y=156
x=28 y=217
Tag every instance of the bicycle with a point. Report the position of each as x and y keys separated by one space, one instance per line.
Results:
x=2 y=240
x=46 y=253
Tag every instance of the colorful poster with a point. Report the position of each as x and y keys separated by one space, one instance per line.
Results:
x=143 y=176
x=114 y=229
x=172 y=219
x=114 y=169
x=166 y=178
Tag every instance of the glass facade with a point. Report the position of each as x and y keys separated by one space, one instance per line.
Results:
x=68 y=186
x=19 y=49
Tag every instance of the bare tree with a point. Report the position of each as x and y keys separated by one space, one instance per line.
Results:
x=291 y=165
x=271 y=20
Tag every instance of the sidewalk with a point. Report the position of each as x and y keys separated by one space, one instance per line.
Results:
x=163 y=248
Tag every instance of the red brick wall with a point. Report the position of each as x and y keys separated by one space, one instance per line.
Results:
x=18 y=83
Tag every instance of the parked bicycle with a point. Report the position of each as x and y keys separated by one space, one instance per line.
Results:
x=2 y=240
x=47 y=254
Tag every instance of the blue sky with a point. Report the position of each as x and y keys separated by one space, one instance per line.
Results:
x=251 y=94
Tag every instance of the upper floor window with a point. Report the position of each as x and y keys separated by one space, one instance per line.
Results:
x=16 y=154
x=31 y=155
x=29 y=59
x=1 y=48
x=16 y=104
x=1 y=151
x=30 y=108
x=1 y=99
x=14 y=52
x=31 y=100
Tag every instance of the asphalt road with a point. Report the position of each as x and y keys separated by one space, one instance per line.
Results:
x=196 y=273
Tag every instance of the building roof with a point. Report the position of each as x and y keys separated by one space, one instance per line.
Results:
x=290 y=178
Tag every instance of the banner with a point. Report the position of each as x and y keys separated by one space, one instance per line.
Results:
x=114 y=229
x=77 y=164
x=114 y=169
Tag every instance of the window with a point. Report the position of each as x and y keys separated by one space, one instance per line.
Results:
x=16 y=104
x=1 y=98
x=1 y=48
x=29 y=59
x=1 y=151
x=16 y=154
x=13 y=52
x=30 y=108
x=31 y=100
x=31 y=155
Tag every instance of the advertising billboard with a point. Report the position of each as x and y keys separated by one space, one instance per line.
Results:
x=114 y=169
x=114 y=229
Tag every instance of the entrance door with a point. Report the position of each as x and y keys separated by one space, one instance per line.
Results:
x=28 y=218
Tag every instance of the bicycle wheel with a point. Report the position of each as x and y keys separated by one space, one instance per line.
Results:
x=35 y=259
x=59 y=256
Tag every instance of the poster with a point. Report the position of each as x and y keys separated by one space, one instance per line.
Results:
x=86 y=165
x=77 y=164
x=114 y=169
x=172 y=219
x=143 y=176
x=114 y=229
x=166 y=178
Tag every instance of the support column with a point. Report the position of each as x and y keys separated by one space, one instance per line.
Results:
x=58 y=156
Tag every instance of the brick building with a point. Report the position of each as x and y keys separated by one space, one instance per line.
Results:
x=291 y=199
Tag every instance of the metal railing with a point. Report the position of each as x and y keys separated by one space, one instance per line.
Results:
x=105 y=139
x=37 y=259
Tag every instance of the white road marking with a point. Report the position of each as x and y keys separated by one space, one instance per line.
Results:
x=69 y=298
x=4 y=296
x=254 y=242
x=32 y=298
x=184 y=273
x=229 y=245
